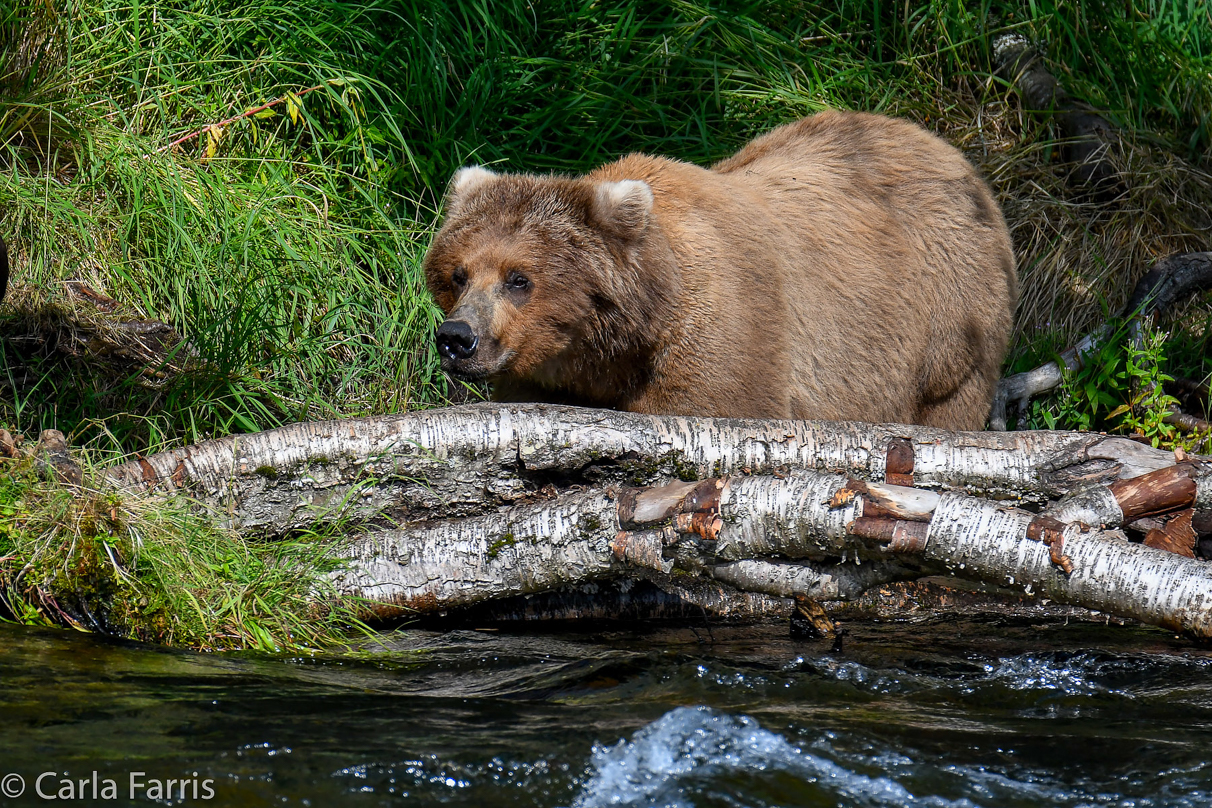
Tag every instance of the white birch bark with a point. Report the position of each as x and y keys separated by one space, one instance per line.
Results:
x=983 y=541
x=462 y=461
x=1095 y=506
x=574 y=540
x=823 y=582
x=765 y=524
x=497 y=500
x=766 y=516
x=516 y=552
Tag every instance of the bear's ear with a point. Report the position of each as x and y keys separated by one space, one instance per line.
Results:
x=623 y=208
x=465 y=181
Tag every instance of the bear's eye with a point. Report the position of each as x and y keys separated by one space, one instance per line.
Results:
x=459 y=278
x=517 y=281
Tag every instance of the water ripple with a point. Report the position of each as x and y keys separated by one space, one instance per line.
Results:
x=664 y=762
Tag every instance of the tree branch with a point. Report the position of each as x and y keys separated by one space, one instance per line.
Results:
x=805 y=515
x=241 y=116
x=1171 y=279
x=1087 y=134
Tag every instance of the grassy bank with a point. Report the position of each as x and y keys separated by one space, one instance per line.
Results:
x=262 y=179
x=160 y=571
x=284 y=245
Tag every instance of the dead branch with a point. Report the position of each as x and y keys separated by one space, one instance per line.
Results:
x=805 y=515
x=53 y=458
x=1088 y=138
x=1171 y=280
x=1087 y=135
x=247 y=113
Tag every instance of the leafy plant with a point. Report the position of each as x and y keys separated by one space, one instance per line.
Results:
x=1119 y=387
x=1144 y=414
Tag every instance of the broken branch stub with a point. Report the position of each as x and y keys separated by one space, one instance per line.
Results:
x=1176 y=488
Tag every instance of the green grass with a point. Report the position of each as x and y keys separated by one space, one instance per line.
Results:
x=274 y=246
x=161 y=571
x=284 y=246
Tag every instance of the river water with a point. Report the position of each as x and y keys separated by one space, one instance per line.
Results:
x=980 y=712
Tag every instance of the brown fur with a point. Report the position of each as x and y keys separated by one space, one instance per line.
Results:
x=845 y=266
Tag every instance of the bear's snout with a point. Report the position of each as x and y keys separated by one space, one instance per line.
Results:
x=456 y=341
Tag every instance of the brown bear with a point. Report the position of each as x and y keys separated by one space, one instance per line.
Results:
x=844 y=266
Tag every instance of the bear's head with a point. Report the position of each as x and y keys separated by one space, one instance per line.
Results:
x=542 y=277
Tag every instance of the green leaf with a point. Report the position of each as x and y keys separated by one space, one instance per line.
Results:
x=293 y=106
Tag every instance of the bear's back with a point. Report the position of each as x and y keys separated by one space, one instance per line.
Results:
x=895 y=266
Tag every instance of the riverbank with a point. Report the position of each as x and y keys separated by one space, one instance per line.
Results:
x=216 y=216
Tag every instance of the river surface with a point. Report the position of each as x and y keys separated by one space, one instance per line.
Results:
x=981 y=712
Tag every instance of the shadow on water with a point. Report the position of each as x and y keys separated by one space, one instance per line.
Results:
x=945 y=713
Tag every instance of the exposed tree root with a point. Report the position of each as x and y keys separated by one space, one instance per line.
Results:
x=1087 y=136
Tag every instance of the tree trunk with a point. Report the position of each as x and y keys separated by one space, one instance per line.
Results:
x=745 y=535
x=463 y=461
x=458 y=507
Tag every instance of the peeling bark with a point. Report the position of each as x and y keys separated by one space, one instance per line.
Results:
x=464 y=461
x=1177 y=536
x=1167 y=490
x=766 y=524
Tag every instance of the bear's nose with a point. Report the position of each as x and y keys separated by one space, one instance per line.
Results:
x=456 y=340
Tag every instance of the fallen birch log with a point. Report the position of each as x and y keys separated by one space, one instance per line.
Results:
x=463 y=461
x=458 y=507
x=742 y=529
